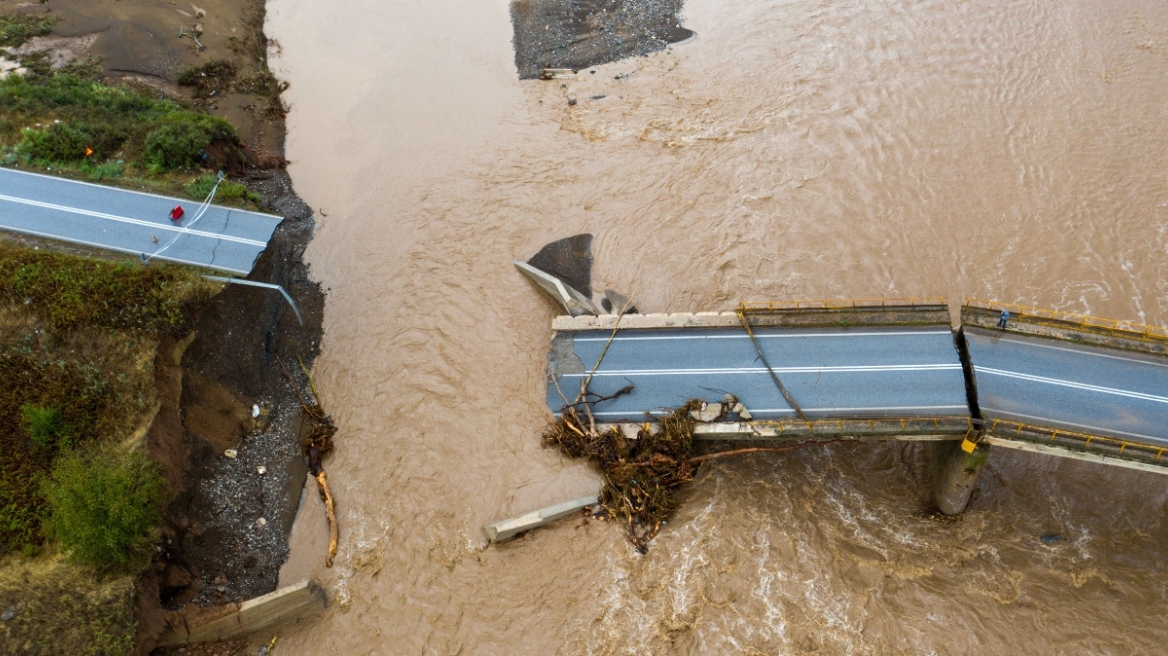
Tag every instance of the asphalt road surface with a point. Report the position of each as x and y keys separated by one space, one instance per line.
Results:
x=1048 y=382
x=224 y=239
x=868 y=372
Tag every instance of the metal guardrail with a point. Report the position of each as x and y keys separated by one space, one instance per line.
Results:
x=751 y=307
x=1079 y=320
x=1126 y=448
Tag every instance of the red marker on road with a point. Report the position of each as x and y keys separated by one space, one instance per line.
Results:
x=177 y=213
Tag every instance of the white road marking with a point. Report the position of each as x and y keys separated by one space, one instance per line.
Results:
x=125 y=250
x=759 y=335
x=1082 y=352
x=762 y=370
x=1071 y=384
x=125 y=219
x=1055 y=423
x=5 y=171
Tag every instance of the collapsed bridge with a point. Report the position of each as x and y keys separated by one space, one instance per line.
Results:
x=1041 y=381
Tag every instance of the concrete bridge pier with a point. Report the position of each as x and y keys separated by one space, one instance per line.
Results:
x=957 y=471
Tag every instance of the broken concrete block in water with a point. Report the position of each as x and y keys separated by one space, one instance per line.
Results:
x=557 y=74
x=570 y=260
x=575 y=303
x=563 y=269
x=508 y=528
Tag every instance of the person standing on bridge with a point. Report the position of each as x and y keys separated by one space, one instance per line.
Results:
x=1003 y=318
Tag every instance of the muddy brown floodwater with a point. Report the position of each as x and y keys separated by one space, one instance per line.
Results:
x=804 y=149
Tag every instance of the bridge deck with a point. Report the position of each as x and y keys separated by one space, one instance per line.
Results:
x=861 y=372
x=225 y=239
x=1055 y=383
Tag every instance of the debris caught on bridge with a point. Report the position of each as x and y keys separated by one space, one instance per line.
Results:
x=642 y=475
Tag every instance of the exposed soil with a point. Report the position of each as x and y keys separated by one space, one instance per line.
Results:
x=215 y=547
x=581 y=33
x=137 y=42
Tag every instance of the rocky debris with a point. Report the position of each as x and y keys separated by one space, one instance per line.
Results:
x=577 y=34
x=8 y=614
x=231 y=453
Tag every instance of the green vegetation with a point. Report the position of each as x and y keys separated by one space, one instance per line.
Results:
x=103 y=507
x=15 y=29
x=65 y=609
x=77 y=120
x=77 y=345
x=71 y=292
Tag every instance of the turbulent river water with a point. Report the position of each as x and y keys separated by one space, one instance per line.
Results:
x=795 y=149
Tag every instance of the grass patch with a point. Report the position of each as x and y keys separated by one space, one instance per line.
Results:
x=103 y=506
x=72 y=292
x=15 y=29
x=64 y=609
x=228 y=190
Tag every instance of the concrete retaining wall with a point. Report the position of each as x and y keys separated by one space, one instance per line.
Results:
x=274 y=609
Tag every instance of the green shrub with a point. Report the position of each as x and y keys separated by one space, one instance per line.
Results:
x=15 y=29
x=57 y=143
x=180 y=141
x=103 y=507
x=62 y=142
x=46 y=429
x=178 y=146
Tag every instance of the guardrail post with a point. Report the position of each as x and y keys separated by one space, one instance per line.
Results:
x=957 y=470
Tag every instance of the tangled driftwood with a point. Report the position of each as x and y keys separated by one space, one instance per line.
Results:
x=317 y=441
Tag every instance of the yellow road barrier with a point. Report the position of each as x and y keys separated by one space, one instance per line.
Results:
x=755 y=307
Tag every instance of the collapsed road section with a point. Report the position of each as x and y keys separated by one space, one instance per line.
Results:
x=155 y=227
x=792 y=374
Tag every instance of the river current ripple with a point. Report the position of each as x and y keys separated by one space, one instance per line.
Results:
x=800 y=149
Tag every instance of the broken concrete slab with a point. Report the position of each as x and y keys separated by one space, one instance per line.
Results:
x=506 y=529
x=570 y=260
x=575 y=303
